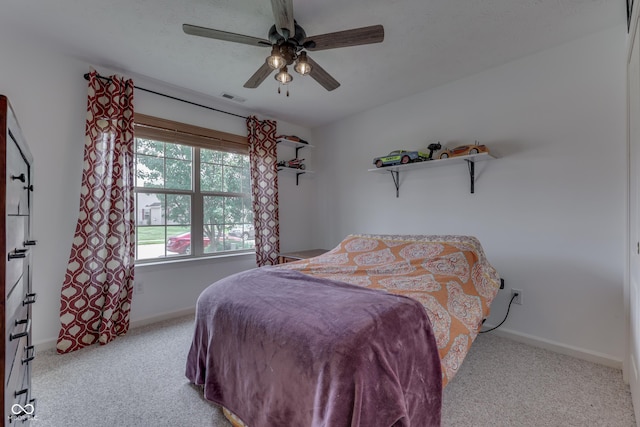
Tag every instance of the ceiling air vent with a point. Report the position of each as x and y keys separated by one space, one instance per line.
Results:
x=235 y=98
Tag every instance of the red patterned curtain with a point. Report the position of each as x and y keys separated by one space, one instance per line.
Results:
x=264 y=186
x=98 y=284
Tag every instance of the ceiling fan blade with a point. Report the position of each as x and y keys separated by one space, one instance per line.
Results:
x=283 y=14
x=258 y=77
x=321 y=76
x=354 y=37
x=224 y=35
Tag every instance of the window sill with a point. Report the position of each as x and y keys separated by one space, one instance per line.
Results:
x=213 y=258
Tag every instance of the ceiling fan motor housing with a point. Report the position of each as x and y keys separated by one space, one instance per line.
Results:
x=298 y=38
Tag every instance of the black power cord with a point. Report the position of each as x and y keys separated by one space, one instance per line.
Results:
x=505 y=317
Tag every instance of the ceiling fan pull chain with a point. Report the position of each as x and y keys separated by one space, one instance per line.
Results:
x=287 y=91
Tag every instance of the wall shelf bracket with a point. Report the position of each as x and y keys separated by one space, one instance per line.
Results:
x=472 y=174
x=396 y=181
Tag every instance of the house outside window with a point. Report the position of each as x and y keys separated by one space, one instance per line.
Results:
x=190 y=181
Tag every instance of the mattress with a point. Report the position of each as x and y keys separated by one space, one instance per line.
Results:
x=448 y=274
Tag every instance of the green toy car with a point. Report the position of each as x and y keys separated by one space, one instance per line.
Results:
x=401 y=157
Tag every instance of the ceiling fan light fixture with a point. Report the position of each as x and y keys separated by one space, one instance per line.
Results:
x=302 y=67
x=275 y=60
x=283 y=76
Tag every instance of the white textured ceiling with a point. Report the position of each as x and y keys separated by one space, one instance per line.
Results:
x=427 y=43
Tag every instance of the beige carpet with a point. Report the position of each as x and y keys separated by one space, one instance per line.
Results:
x=138 y=380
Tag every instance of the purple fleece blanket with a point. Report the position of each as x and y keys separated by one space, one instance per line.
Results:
x=280 y=348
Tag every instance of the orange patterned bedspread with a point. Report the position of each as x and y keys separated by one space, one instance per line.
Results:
x=449 y=275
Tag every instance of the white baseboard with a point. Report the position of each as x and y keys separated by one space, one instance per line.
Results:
x=163 y=316
x=45 y=345
x=634 y=386
x=568 y=350
x=51 y=344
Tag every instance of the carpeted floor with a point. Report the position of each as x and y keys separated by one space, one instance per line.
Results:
x=138 y=380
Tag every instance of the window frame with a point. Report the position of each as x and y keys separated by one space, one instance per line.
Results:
x=168 y=131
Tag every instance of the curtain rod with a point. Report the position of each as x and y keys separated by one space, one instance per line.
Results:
x=86 y=77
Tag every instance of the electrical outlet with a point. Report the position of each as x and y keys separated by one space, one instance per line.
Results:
x=518 y=294
x=138 y=288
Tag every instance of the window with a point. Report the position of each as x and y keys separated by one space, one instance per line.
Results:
x=190 y=181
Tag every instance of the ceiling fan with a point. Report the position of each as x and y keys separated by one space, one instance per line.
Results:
x=289 y=43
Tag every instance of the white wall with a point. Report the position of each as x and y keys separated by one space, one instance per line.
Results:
x=549 y=212
x=49 y=94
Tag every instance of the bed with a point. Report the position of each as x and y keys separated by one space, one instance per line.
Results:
x=367 y=334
